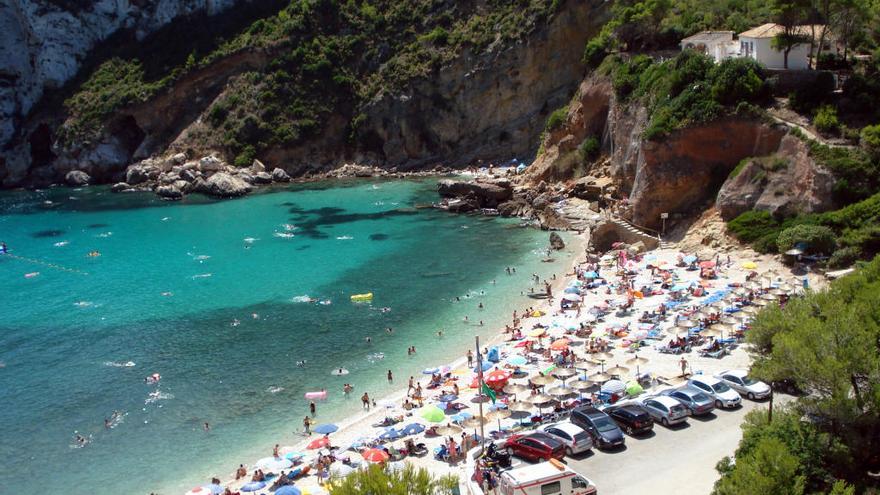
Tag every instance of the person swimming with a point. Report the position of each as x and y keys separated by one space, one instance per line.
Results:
x=3 y=248
x=94 y=254
x=301 y=363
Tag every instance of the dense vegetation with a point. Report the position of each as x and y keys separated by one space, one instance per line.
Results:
x=687 y=89
x=327 y=56
x=408 y=481
x=828 y=440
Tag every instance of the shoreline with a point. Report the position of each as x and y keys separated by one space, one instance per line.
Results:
x=575 y=251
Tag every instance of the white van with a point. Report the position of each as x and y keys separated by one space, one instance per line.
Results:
x=545 y=478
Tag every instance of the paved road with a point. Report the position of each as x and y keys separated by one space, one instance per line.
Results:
x=680 y=459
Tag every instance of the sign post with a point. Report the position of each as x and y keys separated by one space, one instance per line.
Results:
x=664 y=216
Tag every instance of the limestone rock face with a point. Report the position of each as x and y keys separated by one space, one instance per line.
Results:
x=225 y=185
x=785 y=183
x=44 y=43
x=488 y=194
x=556 y=241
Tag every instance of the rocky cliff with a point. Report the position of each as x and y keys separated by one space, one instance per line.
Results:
x=45 y=41
x=488 y=104
x=682 y=171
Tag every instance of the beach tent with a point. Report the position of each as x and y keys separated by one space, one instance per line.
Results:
x=493 y=355
x=432 y=413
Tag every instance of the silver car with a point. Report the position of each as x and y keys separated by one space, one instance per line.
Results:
x=697 y=402
x=724 y=396
x=666 y=410
x=740 y=381
x=575 y=439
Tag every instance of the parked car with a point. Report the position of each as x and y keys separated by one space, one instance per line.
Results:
x=575 y=439
x=600 y=426
x=632 y=418
x=535 y=446
x=697 y=401
x=666 y=410
x=740 y=381
x=723 y=395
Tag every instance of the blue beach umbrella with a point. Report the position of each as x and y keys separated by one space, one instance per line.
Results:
x=294 y=456
x=429 y=371
x=413 y=429
x=461 y=416
x=572 y=290
x=516 y=360
x=253 y=486
x=391 y=434
x=288 y=490
x=325 y=429
x=689 y=259
x=215 y=488
x=448 y=398
x=591 y=275
x=486 y=366
x=679 y=287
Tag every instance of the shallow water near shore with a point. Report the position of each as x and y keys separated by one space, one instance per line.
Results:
x=212 y=295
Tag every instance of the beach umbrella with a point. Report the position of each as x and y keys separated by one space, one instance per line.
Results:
x=770 y=297
x=749 y=265
x=689 y=258
x=729 y=320
x=520 y=406
x=617 y=370
x=273 y=464
x=318 y=443
x=496 y=378
x=486 y=365
x=674 y=381
x=458 y=418
x=288 y=490
x=634 y=388
x=325 y=428
x=375 y=455
x=711 y=332
x=582 y=365
x=201 y=490
x=760 y=302
x=340 y=470
x=750 y=310
x=516 y=360
x=448 y=430
x=391 y=433
x=498 y=414
x=707 y=264
x=561 y=392
x=613 y=387
x=637 y=360
x=537 y=332
x=253 y=486
x=430 y=371
x=447 y=397
x=413 y=429
x=600 y=377
x=515 y=388
x=564 y=373
x=591 y=275
x=294 y=456
x=560 y=344
x=571 y=297
x=581 y=385
x=539 y=399
x=542 y=380
x=572 y=290
x=474 y=422
x=602 y=356
x=432 y=413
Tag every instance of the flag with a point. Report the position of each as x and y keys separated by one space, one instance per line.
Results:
x=488 y=391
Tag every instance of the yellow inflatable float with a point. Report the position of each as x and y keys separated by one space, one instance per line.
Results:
x=362 y=297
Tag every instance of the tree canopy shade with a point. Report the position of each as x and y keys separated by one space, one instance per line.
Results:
x=828 y=343
x=376 y=480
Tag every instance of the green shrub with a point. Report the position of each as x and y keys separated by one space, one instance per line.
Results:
x=870 y=140
x=589 y=149
x=753 y=225
x=556 y=119
x=816 y=238
x=767 y=243
x=844 y=257
x=739 y=167
x=246 y=157
x=826 y=120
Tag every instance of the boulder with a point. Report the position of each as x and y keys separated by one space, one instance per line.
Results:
x=279 y=175
x=187 y=175
x=169 y=192
x=488 y=194
x=200 y=185
x=136 y=174
x=262 y=178
x=168 y=178
x=556 y=241
x=77 y=178
x=462 y=205
x=246 y=177
x=178 y=159
x=211 y=164
x=224 y=185
x=119 y=187
x=257 y=167
x=183 y=186
x=551 y=220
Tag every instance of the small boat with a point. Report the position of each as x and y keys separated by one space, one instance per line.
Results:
x=362 y=297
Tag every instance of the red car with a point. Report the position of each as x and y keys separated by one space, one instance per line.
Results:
x=535 y=446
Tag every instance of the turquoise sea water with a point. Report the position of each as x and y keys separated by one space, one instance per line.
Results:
x=178 y=290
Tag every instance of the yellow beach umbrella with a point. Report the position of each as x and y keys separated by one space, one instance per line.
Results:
x=537 y=332
x=749 y=265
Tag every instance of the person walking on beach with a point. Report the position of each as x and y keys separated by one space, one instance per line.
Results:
x=683 y=362
x=470 y=358
x=275 y=451
x=307 y=426
x=312 y=408
x=390 y=377
x=365 y=399
x=411 y=386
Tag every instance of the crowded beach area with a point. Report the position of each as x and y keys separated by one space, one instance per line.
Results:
x=616 y=328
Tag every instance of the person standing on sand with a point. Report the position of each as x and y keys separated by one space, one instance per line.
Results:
x=411 y=386
x=307 y=426
x=470 y=358
x=683 y=362
x=365 y=399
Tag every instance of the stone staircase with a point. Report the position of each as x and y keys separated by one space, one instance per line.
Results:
x=649 y=238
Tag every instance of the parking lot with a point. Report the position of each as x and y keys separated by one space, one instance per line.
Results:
x=680 y=459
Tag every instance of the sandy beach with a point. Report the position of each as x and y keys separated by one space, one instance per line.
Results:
x=732 y=271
